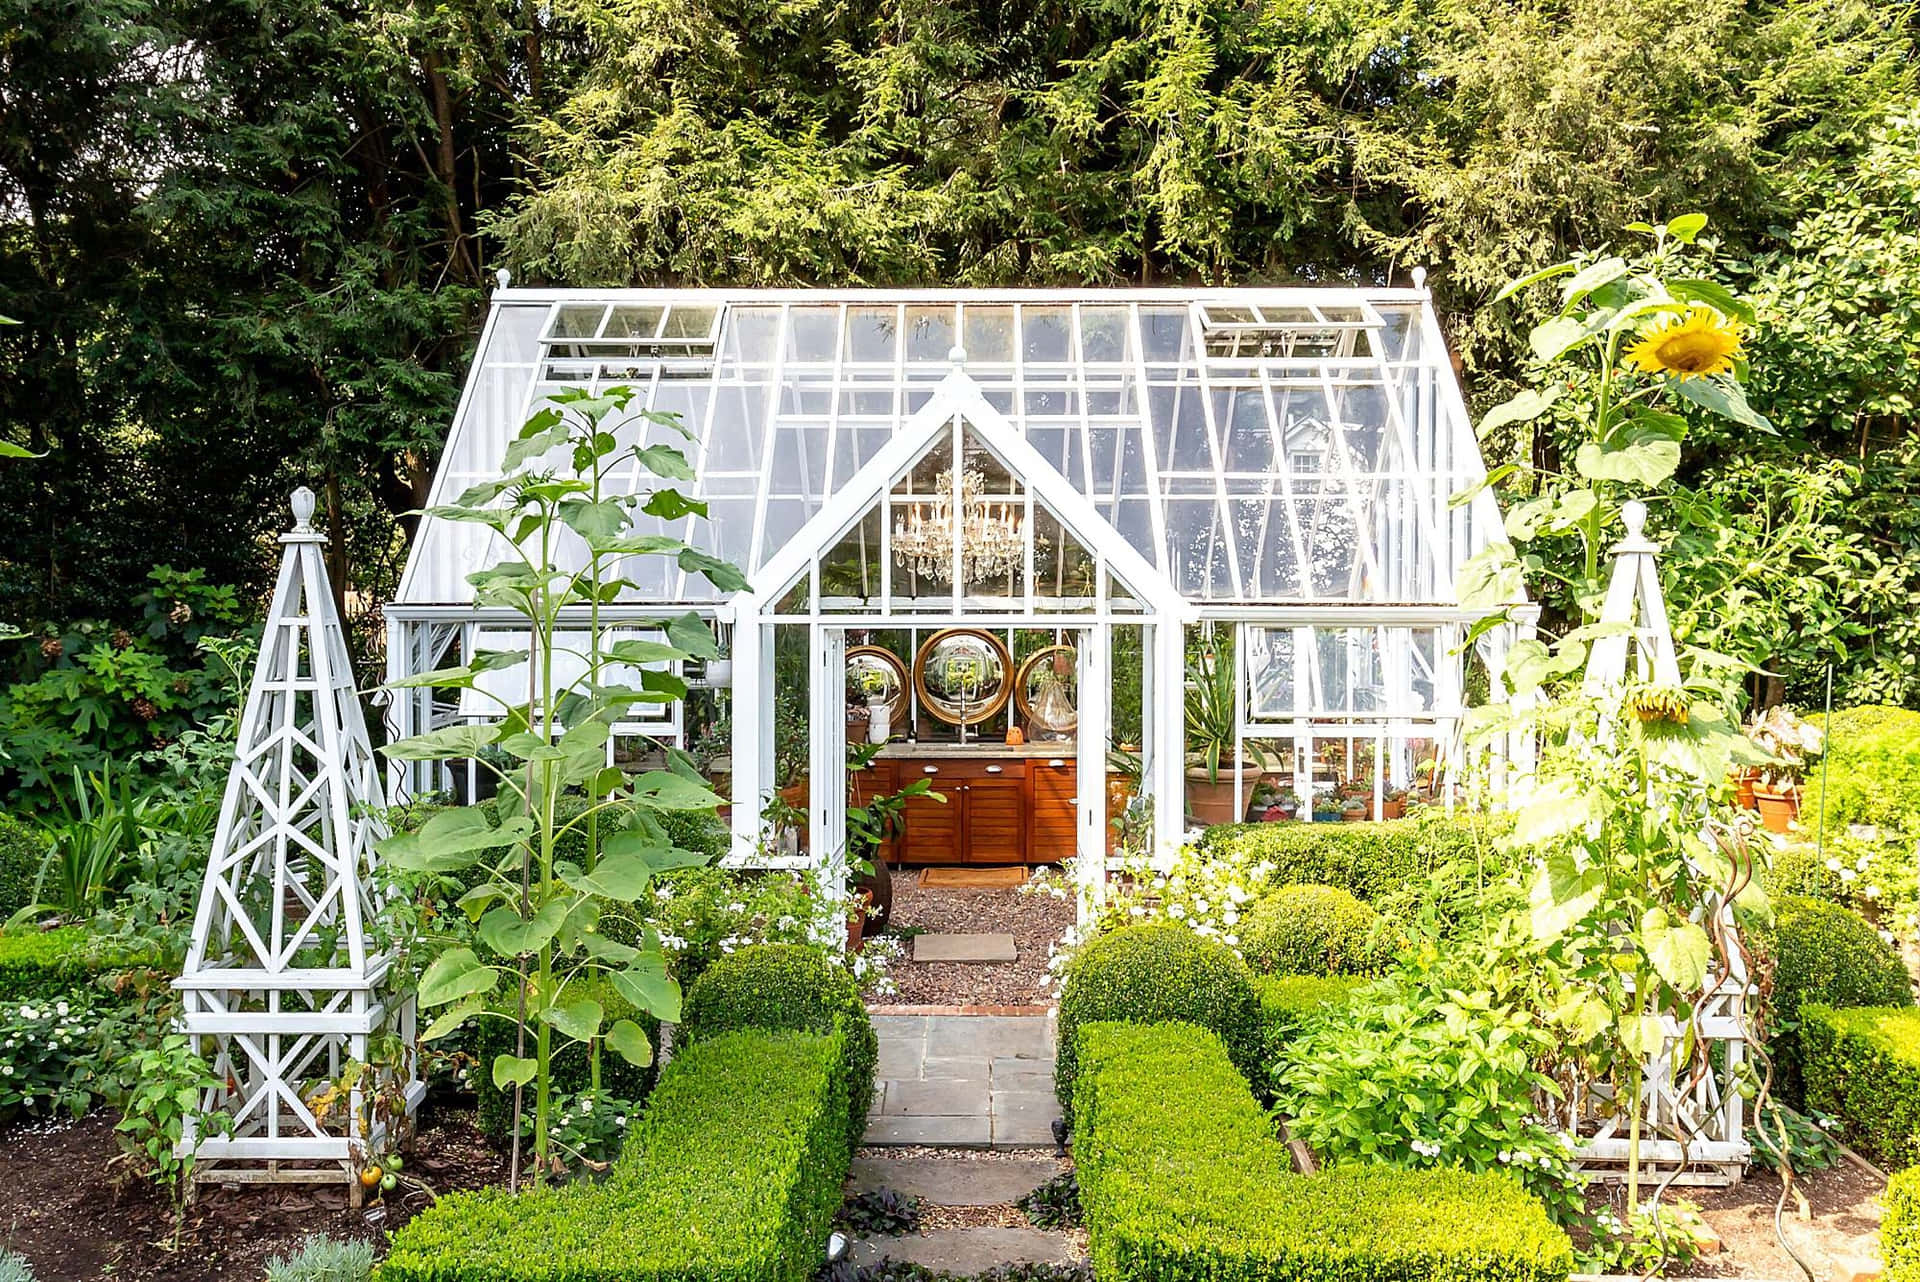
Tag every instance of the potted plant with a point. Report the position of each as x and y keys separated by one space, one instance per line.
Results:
x=1211 y=796
x=1791 y=741
x=1283 y=805
x=1394 y=804
x=871 y=823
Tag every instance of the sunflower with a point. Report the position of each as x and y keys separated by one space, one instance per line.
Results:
x=1702 y=344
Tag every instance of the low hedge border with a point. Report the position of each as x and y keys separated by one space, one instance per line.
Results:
x=1900 y=1229
x=1862 y=1064
x=22 y=851
x=1371 y=860
x=733 y=1175
x=1200 y=1191
x=38 y=964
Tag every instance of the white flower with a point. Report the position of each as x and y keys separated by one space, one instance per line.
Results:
x=1861 y=863
x=1848 y=874
x=60 y=1008
x=586 y=1105
x=6 y=1070
x=1871 y=892
x=1176 y=912
x=1833 y=863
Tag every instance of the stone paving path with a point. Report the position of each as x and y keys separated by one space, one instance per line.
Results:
x=965 y=1081
x=961 y=1181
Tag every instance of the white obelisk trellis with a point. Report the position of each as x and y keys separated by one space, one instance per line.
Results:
x=279 y=986
x=1710 y=1109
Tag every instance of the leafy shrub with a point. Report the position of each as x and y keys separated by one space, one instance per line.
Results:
x=1054 y=1204
x=1862 y=1065
x=881 y=1211
x=324 y=1259
x=734 y=1174
x=1182 y=1181
x=1154 y=973
x=1802 y=870
x=572 y=1064
x=1311 y=930
x=21 y=853
x=1287 y=1002
x=1371 y=860
x=787 y=986
x=14 y=1267
x=1871 y=772
x=1420 y=1074
x=703 y=914
x=46 y=1049
x=1822 y=953
x=1900 y=1229
x=587 y=1130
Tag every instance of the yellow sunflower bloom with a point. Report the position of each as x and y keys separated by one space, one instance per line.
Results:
x=1703 y=344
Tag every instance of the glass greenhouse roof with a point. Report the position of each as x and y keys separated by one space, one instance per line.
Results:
x=1260 y=446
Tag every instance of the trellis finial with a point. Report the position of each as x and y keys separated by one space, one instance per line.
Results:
x=303 y=504
x=958 y=355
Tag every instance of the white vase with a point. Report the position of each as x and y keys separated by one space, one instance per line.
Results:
x=720 y=674
x=879 y=722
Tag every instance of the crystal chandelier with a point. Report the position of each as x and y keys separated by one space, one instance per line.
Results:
x=990 y=542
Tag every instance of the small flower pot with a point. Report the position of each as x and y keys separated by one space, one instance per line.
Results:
x=1778 y=807
x=1743 y=782
x=857 y=919
x=1393 y=808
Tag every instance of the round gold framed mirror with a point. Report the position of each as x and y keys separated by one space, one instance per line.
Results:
x=875 y=670
x=1047 y=692
x=963 y=676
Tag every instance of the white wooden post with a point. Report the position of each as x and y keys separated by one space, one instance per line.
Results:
x=279 y=984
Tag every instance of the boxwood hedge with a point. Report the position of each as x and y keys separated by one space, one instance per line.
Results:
x=47 y=963
x=1863 y=1065
x=788 y=986
x=1287 y=1002
x=1900 y=1229
x=733 y=1175
x=1182 y=1181
x=21 y=854
x=1151 y=973
x=1311 y=930
x=1372 y=860
x=1822 y=954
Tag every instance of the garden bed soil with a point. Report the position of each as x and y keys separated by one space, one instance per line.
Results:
x=1839 y=1240
x=75 y=1213
x=1036 y=922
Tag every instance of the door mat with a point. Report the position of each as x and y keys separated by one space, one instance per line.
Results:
x=973 y=878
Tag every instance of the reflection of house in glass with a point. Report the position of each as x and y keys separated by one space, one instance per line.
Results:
x=1259 y=474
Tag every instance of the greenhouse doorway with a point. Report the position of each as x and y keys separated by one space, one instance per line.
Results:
x=961 y=602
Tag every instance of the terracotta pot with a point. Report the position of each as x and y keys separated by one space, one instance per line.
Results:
x=857 y=919
x=1743 y=782
x=1393 y=808
x=1778 y=807
x=1217 y=803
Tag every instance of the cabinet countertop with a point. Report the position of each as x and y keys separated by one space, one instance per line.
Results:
x=930 y=750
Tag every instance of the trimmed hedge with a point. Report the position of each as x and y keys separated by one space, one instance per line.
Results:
x=1150 y=974
x=1182 y=1181
x=733 y=1175
x=1863 y=1066
x=1826 y=954
x=1371 y=860
x=788 y=986
x=21 y=853
x=1311 y=930
x=47 y=963
x=1870 y=774
x=1287 y=1002
x=1900 y=1230
x=572 y=1066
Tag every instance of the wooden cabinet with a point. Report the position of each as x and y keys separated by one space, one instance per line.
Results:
x=1017 y=808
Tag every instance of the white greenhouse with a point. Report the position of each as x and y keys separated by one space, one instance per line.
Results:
x=1067 y=554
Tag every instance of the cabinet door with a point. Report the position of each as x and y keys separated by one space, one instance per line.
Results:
x=996 y=828
x=1055 y=813
x=933 y=828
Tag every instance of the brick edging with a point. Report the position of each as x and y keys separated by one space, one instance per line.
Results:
x=959 y=1010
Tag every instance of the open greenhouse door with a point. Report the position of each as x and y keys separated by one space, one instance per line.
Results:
x=827 y=758
x=1090 y=773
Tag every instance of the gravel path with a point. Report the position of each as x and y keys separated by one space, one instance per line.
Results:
x=1036 y=922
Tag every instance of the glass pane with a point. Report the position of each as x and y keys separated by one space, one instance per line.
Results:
x=634 y=322
x=1045 y=334
x=850 y=573
x=988 y=333
x=929 y=333
x=872 y=333
x=1271 y=689
x=578 y=320
x=1063 y=569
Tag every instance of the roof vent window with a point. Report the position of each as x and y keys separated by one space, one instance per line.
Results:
x=606 y=340
x=1294 y=333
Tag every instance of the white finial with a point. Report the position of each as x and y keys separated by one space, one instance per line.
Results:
x=1419 y=278
x=1633 y=514
x=504 y=276
x=303 y=504
x=958 y=355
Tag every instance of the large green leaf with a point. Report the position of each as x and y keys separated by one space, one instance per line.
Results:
x=1679 y=949
x=9 y=450
x=579 y=1020
x=1723 y=397
x=1714 y=295
x=669 y=791
x=532 y=446
x=629 y=1041
x=1644 y=463
x=1491 y=577
x=622 y=878
x=691 y=633
x=1590 y=278
x=638 y=652
x=444 y=743
x=722 y=574
x=664 y=460
x=451 y=840
x=672 y=505
x=650 y=988
x=514 y=1070
x=506 y=932
x=638 y=545
x=455 y=974
x=452 y=1018
x=1529 y=404
x=1562 y=894
x=604 y=519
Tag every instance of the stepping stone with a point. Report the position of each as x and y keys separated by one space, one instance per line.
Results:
x=937 y=1097
x=1024 y=1119
x=952 y=1182
x=967 y=1252
x=886 y=1130
x=990 y=1037
x=963 y=948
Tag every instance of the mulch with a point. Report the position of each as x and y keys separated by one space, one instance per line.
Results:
x=1036 y=923
x=1838 y=1236
x=75 y=1212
